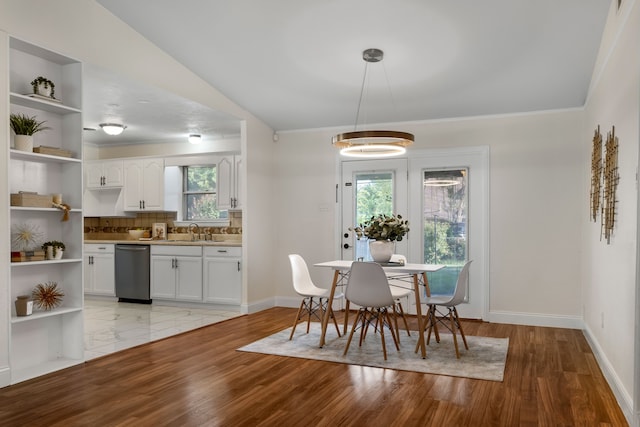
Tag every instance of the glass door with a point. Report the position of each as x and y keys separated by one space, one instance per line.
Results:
x=371 y=188
x=444 y=221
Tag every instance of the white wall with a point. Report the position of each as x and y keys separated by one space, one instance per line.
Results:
x=609 y=271
x=535 y=205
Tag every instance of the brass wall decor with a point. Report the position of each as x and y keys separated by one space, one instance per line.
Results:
x=596 y=174
x=610 y=179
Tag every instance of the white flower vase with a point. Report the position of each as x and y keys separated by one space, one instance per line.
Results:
x=24 y=142
x=58 y=254
x=381 y=250
x=43 y=91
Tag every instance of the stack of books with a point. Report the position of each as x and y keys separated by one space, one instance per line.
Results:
x=25 y=256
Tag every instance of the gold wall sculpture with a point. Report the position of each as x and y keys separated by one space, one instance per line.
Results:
x=596 y=174
x=610 y=180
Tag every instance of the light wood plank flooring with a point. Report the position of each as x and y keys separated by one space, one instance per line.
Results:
x=199 y=379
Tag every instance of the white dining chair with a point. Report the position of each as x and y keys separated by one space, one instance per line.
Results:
x=368 y=287
x=304 y=286
x=435 y=316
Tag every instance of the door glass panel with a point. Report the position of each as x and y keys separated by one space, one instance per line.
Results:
x=373 y=196
x=444 y=222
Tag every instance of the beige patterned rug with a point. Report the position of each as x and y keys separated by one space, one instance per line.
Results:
x=484 y=360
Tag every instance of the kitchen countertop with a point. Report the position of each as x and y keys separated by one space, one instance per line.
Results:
x=168 y=242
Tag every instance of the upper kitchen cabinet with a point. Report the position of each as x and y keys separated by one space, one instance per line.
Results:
x=229 y=170
x=144 y=185
x=104 y=174
x=50 y=338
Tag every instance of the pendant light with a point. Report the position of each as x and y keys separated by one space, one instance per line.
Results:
x=371 y=143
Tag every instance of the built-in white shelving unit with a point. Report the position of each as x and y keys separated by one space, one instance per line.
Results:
x=47 y=341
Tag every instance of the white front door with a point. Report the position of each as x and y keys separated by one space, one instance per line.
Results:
x=371 y=187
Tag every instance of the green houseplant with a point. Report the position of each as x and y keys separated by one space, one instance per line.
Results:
x=382 y=231
x=57 y=248
x=43 y=87
x=25 y=127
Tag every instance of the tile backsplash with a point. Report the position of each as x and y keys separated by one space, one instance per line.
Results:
x=110 y=228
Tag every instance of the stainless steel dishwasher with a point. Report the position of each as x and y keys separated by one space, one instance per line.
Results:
x=132 y=273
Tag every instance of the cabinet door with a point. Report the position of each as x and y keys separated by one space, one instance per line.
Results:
x=113 y=174
x=237 y=173
x=93 y=174
x=153 y=184
x=163 y=277
x=189 y=278
x=223 y=280
x=104 y=281
x=224 y=171
x=133 y=180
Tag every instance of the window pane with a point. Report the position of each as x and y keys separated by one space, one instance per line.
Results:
x=445 y=226
x=202 y=207
x=201 y=178
x=374 y=196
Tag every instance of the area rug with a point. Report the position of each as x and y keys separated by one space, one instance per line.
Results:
x=484 y=360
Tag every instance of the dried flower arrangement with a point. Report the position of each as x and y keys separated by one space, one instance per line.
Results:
x=47 y=296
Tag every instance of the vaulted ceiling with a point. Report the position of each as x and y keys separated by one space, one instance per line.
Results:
x=298 y=64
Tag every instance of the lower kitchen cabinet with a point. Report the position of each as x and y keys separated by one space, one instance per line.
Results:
x=176 y=272
x=222 y=275
x=99 y=269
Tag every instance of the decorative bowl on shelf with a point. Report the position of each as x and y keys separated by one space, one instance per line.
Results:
x=136 y=234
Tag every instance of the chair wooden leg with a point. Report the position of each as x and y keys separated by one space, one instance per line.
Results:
x=453 y=332
x=295 y=323
x=464 y=339
x=404 y=318
x=395 y=319
x=335 y=322
x=353 y=329
x=394 y=335
x=384 y=347
x=310 y=309
x=346 y=316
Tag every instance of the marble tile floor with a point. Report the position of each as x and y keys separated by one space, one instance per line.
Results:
x=111 y=326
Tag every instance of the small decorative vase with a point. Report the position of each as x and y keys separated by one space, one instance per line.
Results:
x=24 y=142
x=381 y=250
x=49 y=253
x=24 y=305
x=43 y=91
x=58 y=253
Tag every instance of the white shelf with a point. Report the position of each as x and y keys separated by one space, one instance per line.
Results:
x=46 y=262
x=42 y=314
x=41 y=104
x=31 y=209
x=42 y=158
x=19 y=375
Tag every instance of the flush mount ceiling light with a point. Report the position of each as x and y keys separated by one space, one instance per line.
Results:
x=112 y=128
x=195 y=138
x=371 y=143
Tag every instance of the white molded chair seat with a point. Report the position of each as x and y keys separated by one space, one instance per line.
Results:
x=368 y=287
x=304 y=286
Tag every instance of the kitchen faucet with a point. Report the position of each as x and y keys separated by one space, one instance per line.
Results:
x=191 y=230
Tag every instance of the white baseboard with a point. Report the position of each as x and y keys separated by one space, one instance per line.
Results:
x=5 y=376
x=535 y=319
x=624 y=399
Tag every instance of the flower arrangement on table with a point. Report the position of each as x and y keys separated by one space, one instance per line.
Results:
x=383 y=227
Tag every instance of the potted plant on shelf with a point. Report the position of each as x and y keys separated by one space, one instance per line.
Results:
x=43 y=87
x=53 y=249
x=25 y=127
x=382 y=231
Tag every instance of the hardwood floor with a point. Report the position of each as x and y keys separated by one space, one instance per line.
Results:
x=199 y=379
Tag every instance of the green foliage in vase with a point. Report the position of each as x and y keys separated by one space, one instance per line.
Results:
x=22 y=124
x=383 y=227
x=44 y=82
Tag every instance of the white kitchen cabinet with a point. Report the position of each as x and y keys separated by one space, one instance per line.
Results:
x=99 y=269
x=176 y=272
x=47 y=340
x=104 y=174
x=229 y=171
x=222 y=275
x=143 y=184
